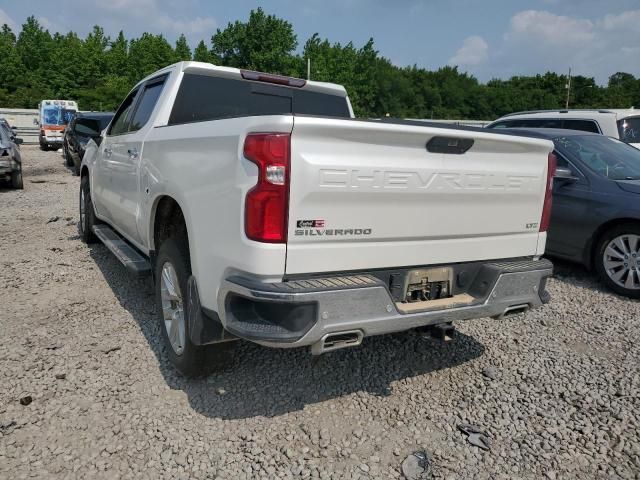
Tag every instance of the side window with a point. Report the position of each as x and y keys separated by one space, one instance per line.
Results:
x=87 y=127
x=147 y=103
x=542 y=123
x=561 y=161
x=582 y=125
x=505 y=124
x=119 y=124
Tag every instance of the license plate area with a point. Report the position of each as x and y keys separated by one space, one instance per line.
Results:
x=427 y=284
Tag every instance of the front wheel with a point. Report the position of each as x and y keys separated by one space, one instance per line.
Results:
x=617 y=259
x=68 y=160
x=172 y=271
x=87 y=214
x=16 y=180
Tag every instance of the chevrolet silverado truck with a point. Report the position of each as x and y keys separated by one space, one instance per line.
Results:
x=264 y=211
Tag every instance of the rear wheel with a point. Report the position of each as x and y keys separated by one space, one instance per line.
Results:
x=618 y=259
x=16 y=180
x=87 y=214
x=172 y=271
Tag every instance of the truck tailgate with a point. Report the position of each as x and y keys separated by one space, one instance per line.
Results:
x=367 y=195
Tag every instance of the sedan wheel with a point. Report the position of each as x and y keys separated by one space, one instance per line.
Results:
x=621 y=260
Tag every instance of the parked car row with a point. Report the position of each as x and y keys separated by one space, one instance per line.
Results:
x=10 y=159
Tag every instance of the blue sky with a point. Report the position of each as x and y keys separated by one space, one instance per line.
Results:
x=488 y=38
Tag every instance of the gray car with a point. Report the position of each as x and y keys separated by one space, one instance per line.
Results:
x=10 y=159
x=595 y=217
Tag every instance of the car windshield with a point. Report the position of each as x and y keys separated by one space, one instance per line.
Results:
x=56 y=115
x=629 y=130
x=606 y=156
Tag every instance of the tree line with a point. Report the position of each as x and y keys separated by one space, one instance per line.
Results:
x=98 y=71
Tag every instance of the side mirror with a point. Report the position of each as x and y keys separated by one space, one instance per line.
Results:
x=565 y=174
x=18 y=141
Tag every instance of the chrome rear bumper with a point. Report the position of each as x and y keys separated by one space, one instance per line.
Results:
x=304 y=312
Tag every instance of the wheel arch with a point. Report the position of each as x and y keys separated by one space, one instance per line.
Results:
x=590 y=249
x=166 y=211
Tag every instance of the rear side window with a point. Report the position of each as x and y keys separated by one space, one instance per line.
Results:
x=582 y=125
x=203 y=97
x=147 y=103
x=542 y=123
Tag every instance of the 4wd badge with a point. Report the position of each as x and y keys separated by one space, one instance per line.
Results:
x=310 y=223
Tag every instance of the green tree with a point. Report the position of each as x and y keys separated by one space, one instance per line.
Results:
x=201 y=53
x=182 y=50
x=117 y=57
x=11 y=67
x=264 y=43
x=148 y=54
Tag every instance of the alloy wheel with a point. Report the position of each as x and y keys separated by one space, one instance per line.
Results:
x=172 y=308
x=621 y=260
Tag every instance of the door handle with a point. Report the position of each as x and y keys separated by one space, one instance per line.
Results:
x=133 y=153
x=108 y=151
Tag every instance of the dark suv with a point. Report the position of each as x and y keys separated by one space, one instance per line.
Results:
x=84 y=127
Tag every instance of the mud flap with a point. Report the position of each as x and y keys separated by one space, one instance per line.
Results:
x=203 y=329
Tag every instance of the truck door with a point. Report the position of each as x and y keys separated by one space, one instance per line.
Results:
x=126 y=152
x=102 y=182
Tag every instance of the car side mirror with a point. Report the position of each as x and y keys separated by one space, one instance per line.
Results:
x=564 y=174
x=18 y=141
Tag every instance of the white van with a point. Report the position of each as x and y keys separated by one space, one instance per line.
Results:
x=623 y=124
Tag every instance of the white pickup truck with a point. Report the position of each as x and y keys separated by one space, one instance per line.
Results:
x=264 y=211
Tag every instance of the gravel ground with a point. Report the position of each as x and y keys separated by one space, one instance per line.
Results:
x=557 y=390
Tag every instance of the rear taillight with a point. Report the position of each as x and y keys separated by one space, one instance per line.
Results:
x=548 y=194
x=267 y=204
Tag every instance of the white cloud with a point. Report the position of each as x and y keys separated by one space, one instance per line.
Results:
x=624 y=21
x=536 y=41
x=5 y=18
x=474 y=51
x=195 y=26
x=158 y=15
x=549 y=28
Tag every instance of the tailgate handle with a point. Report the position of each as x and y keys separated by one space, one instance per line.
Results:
x=451 y=145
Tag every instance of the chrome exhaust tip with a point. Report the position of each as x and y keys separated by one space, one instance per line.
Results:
x=515 y=309
x=336 y=341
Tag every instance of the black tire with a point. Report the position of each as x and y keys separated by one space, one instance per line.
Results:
x=16 y=180
x=192 y=360
x=89 y=220
x=68 y=160
x=599 y=259
x=76 y=170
